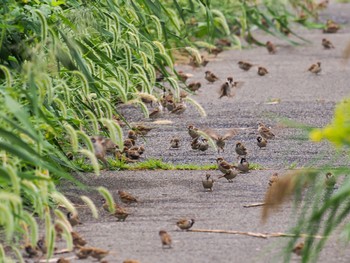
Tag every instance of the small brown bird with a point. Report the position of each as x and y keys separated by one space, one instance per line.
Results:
x=240 y=149
x=170 y=105
x=165 y=238
x=139 y=149
x=40 y=244
x=243 y=165
x=271 y=48
x=31 y=251
x=220 y=140
x=73 y=219
x=132 y=135
x=264 y=131
x=327 y=44
x=194 y=63
x=129 y=143
x=203 y=145
x=245 y=65
x=83 y=252
x=175 y=143
x=62 y=260
x=126 y=198
x=120 y=212
x=261 y=142
x=230 y=175
x=322 y=5
x=141 y=129
x=331 y=27
x=223 y=166
x=98 y=253
x=179 y=109
x=193 y=131
x=208 y=183
x=210 y=77
x=222 y=42
x=225 y=89
x=131 y=261
x=78 y=241
x=157 y=112
x=315 y=68
x=183 y=76
x=195 y=144
x=298 y=249
x=100 y=149
x=262 y=71
x=216 y=51
x=194 y=86
x=185 y=224
x=273 y=179
x=330 y=180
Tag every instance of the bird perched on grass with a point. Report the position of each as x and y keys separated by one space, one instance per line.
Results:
x=271 y=48
x=245 y=65
x=208 y=183
x=261 y=142
x=240 y=149
x=126 y=197
x=315 y=68
x=165 y=239
x=185 y=224
x=262 y=71
x=194 y=86
x=264 y=131
x=73 y=219
x=327 y=44
x=243 y=165
x=220 y=140
x=210 y=77
x=175 y=143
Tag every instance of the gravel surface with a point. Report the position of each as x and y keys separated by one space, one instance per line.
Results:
x=167 y=196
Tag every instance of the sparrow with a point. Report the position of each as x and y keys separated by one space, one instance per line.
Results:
x=330 y=181
x=40 y=244
x=98 y=253
x=245 y=65
x=243 y=165
x=129 y=143
x=210 y=77
x=99 y=144
x=194 y=86
x=58 y=230
x=222 y=42
x=133 y=154
x=298 y=249
x=179 y=109
x=131 y=261
x=231 y=174
x=83 y=252
x=195 y=144
x=78 y=241
x=170 y=105
x=73 y=219
x=196 y=64
x=159 y=76
x=264 y=131
x=183 y=94
x=126 y=198
x=220 y=140
x=165 y=238
x=271 y=48
x=225 y=89
x=175 y=143
x=193 y=131
x=139 y=149
x=120 y=212
x=62 y=260
x=132 y=135
x=261 y=142
x=315 y=68
x=240 y=149
x=185 y=224
x=208 y=183
x=223 y=166
x=157 y=112
x=182 y=76
x=31 y=251
x=327 y=44
x=216 y=51
x=111 y=147
x=331 y=27
x=141 y=129
x=262 y=71
x=203 y=145
x=323 y=4
x=273 y=179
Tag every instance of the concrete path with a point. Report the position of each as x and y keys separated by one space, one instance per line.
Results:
x=167 y=196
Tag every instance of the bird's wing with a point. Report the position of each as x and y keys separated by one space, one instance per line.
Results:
x=230 y=134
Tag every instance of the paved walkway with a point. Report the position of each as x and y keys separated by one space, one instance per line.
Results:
x=169 y=195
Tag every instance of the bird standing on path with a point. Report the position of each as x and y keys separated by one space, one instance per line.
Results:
x=210 y=77
x=208 y=183
x=165 y=239
x=185 y=224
